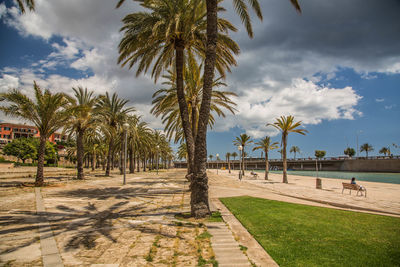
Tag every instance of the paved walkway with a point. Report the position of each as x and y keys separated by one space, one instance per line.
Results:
x=226 y=248
x=50 y=254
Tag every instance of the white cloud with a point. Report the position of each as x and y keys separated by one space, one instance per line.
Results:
x=390 y=106
x=8 y=82
x=305 y=100
x=3 y=10
x=379 y=100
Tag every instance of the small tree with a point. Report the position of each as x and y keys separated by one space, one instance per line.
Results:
x=385 y=151
x=22 y=148
x=367 y=148
x=294 y=149
x=320 y=153
x=349 y=152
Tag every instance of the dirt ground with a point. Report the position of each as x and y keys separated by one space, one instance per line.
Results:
x=99 y=221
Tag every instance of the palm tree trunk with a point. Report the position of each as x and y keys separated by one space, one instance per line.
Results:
x=109 y=157
x=183 y=108
x=131 y=161
x=199 y=184
x=284 y=139
x=194 y=121
x=229 y=164
x=266 y=165
x=80 y=153
x=94 y=160
x=138 y=163
x=42 y=149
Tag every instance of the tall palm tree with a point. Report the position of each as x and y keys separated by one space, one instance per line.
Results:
x=242 y=140
x=286 y=125
x=200 y=175
x=294 y=149
x=266 y=145
x=163 y=35
x=113 y=113
x=367 y=148
x=46 y=112
x=81 y=117
x=228 y=159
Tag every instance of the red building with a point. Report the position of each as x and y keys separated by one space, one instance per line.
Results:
x=10 y=131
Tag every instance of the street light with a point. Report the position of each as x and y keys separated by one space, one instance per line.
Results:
x=125 y=126
x=157 y=157
x=217 y=156
x=240 y=148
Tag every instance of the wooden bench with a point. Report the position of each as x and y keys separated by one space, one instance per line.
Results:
x=354 y=187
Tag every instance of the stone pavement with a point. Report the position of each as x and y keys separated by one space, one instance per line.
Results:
x=50 y=254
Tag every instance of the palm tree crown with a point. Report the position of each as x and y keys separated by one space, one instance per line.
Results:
x=367 y=148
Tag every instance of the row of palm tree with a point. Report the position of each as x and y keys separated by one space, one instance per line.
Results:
x=94 y=122
x=286 y=125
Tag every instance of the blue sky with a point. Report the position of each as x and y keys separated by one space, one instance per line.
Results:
x=335 y=67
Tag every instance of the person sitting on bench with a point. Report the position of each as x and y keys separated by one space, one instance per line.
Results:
x=353 y=181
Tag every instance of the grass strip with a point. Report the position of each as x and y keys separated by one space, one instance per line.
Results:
x=300 y=235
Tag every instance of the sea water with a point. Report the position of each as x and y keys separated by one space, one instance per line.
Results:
x=381 y=177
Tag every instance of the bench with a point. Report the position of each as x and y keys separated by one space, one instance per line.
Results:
x=254 y=174
x=354 y=187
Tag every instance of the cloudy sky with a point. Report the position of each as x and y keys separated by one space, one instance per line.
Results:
x=336 y=67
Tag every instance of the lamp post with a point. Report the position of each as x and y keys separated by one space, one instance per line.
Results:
x=157 y=157
x=240 y=148
x=125 y=126
x=217 y=158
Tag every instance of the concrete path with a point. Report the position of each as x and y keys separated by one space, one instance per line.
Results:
x=226 y=248
x=50 y=254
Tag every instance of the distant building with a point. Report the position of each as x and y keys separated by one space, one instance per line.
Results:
x=11 y=131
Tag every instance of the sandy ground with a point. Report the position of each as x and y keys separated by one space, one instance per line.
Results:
x=99 y=221
x=381 y=197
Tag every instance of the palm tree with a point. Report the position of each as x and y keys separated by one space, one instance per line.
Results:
x=80 y=113
x=242 y=140
x=113 y=113
x=46 y=112
x=294 y=149
x=228 y=158
x=367 y=148
x=384 y=150
x=286 y=125
x=164 y=35
x=266 y=146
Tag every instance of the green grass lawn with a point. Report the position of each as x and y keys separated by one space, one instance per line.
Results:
x=300 y=235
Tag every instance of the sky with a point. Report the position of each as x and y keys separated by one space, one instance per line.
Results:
x=335 y=67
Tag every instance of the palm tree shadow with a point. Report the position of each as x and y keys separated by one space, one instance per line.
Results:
x=84 y=226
